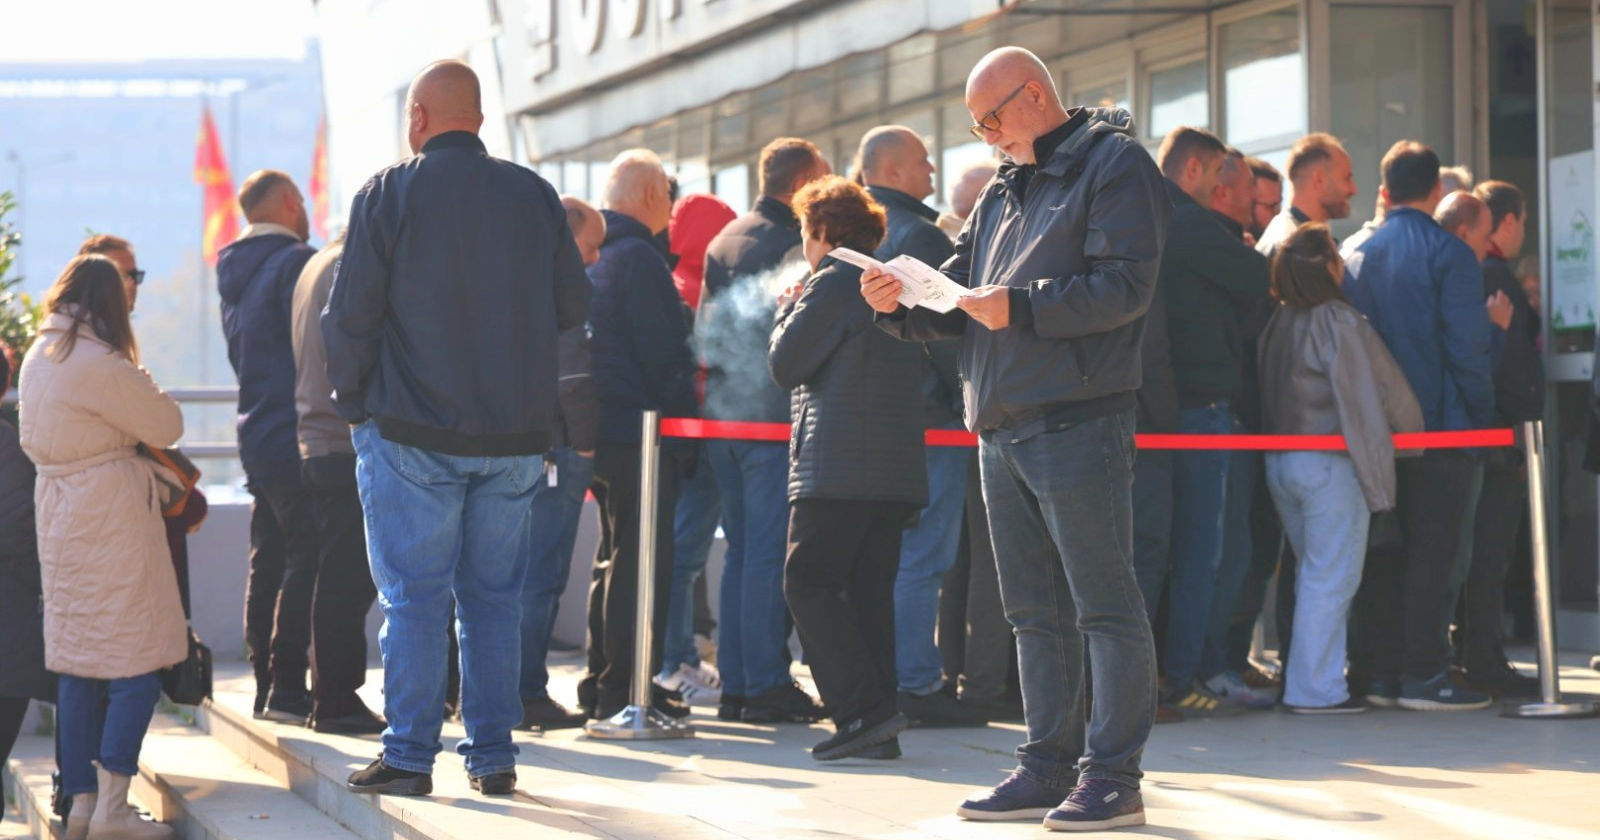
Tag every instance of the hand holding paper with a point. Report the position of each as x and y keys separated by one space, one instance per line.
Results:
x=921 y=284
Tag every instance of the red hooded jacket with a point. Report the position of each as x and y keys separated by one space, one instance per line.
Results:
x=696 y=219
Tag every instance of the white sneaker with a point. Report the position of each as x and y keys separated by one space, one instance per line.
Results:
x=700 y=686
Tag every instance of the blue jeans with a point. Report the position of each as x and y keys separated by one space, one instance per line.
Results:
x=1061 y=519
x=554 y=532
x=104 y=721
x=1325 y=518
x=439 y=525
x=927 y=551
x=1199 y=524
x=1236 y=556
x=753 y=619
x=694 y=527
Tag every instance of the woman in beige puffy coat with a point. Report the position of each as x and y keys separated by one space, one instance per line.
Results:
x=112 y=618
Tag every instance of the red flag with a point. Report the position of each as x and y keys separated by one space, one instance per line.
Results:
x=220 y=213
x=319 y=181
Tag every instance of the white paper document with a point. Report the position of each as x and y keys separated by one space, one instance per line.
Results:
x=921 y=284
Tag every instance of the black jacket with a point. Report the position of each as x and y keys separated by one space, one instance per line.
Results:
x=1213 y=284
x=255 y=279
x=1158 y=395
x=857 y=431
x=1080 y=249
x=1519 y=375
x=747 y=264
x=579 y=414
x=459 y=271
x=641 y=338
x=912 y=230
x=22 y=671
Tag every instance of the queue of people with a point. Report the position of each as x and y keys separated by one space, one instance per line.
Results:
x=427 y=445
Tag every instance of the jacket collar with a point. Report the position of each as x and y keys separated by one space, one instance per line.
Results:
x=890 y=197
x=267 y=229
x=1176 y=193
x=1403 y=212
x=775 y=211
x=62 y=321
x=619 y=226
x=1079 y=132
x=454 y=140
x=1233 y=228
x=1300 y=218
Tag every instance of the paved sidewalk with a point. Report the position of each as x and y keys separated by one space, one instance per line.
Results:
x=1262 y=775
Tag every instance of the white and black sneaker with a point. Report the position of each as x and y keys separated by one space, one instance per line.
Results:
x=1352 y=705
x=700 y=686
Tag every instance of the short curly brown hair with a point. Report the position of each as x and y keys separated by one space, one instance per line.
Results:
x=839 y=211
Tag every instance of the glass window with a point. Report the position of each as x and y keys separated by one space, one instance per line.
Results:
x=729 y=130
x=769 y=116
x=1569 y=224
x=957 y=150
x=811 y=100
x=959 y=53
x=911 y=68
x=864 y=92
x=692 y=134
x=1178 y=97
x=732 y=185
x=1111 y=94
x=1263 y=77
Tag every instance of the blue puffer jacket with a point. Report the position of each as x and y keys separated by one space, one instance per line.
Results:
x=256 y=277
x=1422 y=289
x=640 y=347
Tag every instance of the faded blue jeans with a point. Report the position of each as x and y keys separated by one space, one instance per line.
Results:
x=1199 y=526
x=1325 y=518
x=439 y=525
x=1061 y=520
x=927 y=551
x=553 y=535
x=752 y=616
x=104 y=721
x=694 y=527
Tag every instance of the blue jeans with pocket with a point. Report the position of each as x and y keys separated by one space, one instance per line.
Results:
x=753 y=618
x=442 y=525
x=104 y=721
x=928 y=550
x=553 y=535
x=1061 y=519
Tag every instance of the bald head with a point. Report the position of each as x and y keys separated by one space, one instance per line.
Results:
x=444 y=97
x=894 y=156
x=1466 y=216
x=1013 y=96
x=964 y=194
x=588 y=227
x=637 y=187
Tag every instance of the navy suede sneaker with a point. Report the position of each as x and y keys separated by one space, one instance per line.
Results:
x=1096 y=805
x=1016 y=798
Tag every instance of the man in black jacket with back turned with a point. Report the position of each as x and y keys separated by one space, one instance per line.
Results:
x=256 y=276
x=1518 y=398
x=459 y=271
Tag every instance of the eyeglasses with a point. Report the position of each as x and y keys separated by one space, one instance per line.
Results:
x=1273 y=207
x=137 y=276
x=991 y=120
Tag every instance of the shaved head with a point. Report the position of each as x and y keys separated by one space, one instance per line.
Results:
x=588 y=227
x=1012 y=95
x=894 y=156
x=445 y=96
x=637 y=187
x=964 y=194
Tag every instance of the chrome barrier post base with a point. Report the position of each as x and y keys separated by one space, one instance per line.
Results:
x=638 y=723
x=1551 y=711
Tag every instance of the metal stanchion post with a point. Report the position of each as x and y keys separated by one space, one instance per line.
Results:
x=640 y=722
x=1549 y=705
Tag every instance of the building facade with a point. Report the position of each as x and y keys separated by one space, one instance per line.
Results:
x=1504 y=87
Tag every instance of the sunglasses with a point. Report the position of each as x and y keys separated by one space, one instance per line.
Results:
x=991 y=120
x=137 y=276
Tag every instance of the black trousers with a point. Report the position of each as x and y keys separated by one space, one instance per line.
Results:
x=838 y=578
x=12 y=711
x=344 y=590
x=975 y=640
x=1501 y=509
x=613 y=593
x=283 y=576
x=1405 y=599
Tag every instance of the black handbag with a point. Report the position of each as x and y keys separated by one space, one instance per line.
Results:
x=188 y=683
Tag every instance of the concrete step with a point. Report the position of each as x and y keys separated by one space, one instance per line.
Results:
x=189 y=781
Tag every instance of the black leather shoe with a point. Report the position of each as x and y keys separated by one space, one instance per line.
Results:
x=886 y=751
x=363 y=722
x=378 y=777
x=288 y=707
x=860 y=735
x=731 y=707
x=495 y=784
x=546 y=715
x=787 y=703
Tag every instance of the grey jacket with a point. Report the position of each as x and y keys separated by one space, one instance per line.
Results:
x=1079 y=242
x=1325 y=370
x=856 y=396
x=320 y=429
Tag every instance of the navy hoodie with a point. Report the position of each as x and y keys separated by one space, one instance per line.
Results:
x=256 y=278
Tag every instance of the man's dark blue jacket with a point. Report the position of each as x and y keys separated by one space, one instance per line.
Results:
x=1421 y=288
x=641 y=338
x=459 y=271
x=256 y=277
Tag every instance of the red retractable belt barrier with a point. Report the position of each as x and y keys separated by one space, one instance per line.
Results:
x=678 y=427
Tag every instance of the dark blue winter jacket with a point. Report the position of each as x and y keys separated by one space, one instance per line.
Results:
x=256 y=277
